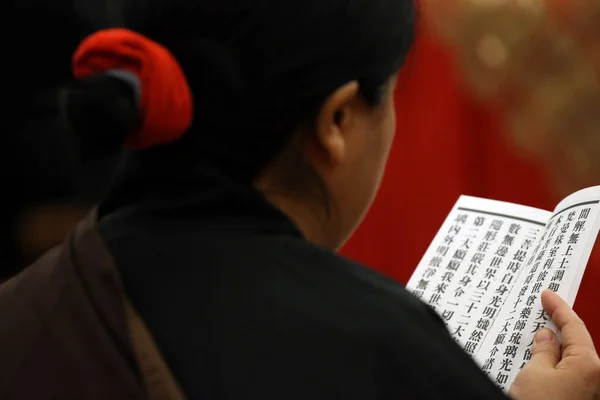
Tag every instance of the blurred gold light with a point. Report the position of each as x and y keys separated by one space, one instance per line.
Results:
x=538 y=60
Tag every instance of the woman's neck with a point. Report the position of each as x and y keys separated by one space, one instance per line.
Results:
x=310 y=218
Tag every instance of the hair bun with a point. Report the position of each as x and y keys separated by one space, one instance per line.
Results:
x=101 y=110
x=163 y=99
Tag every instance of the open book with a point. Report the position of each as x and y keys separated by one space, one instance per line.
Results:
x=490 y=261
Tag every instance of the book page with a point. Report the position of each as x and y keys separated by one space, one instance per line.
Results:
x=557 y=263
x=473 y=263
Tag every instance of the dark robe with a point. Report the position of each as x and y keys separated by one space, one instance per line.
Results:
x=238 y=302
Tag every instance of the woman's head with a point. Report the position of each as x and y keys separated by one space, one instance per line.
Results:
x=294 y=97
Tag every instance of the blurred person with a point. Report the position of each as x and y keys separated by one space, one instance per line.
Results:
x=50 y=190
x=260 y=133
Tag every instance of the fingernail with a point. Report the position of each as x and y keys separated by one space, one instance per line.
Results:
x=544 y=336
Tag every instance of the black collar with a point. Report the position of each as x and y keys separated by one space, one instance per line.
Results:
x=150 y=184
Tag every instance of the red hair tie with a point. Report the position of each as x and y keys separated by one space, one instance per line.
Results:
x=166 y=103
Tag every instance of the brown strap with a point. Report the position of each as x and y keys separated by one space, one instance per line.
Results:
x=159 y=381
x=94 y=259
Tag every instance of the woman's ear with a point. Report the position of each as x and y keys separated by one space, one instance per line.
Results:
x=334 y=122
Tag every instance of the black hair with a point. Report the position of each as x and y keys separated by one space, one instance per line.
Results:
x=257 y=70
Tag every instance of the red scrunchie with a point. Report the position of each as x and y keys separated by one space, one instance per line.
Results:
x=166 y=99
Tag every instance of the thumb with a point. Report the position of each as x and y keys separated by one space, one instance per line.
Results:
x=546 y=349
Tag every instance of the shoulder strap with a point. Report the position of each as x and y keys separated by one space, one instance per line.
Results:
x=159 y=381
x=156 y=375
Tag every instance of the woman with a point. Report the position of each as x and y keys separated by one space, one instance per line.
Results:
x=260 y=132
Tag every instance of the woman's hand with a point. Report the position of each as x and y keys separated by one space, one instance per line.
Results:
x=554 y=373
